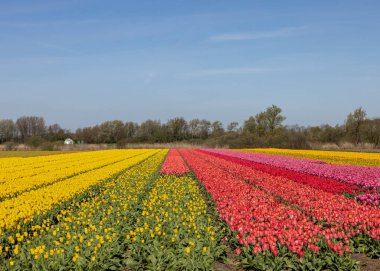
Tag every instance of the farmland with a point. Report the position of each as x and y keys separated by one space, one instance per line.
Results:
x=332 y=157
x=5 y=154
x=190 y=209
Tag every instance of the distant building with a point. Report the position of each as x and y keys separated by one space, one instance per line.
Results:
x=68 y=141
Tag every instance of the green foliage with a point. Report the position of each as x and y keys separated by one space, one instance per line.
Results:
x=354 y=124
x=324 y=260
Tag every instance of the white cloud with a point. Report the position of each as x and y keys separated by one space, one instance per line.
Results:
x=283 y=32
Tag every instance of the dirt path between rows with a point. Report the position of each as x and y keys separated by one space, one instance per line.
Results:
x=366 y=263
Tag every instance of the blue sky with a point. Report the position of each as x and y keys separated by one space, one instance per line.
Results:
x=79 y=63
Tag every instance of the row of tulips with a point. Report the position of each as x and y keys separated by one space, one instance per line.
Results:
x=34 y=166
x=369 y=199
x=363 y=176
x=25 y=163
x=343 y=218
x=89 y=234
x=260 y=219
x=174 y=164
x=46 y=174
x=22 y=209
x=332 y=157
x=174 y=231
x=325 y=184
x=267 y=226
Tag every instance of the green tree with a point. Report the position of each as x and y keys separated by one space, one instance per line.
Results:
x=274 y=118
x=354 y=124
x=233 y=126
x=250 y=125
x=261 y=124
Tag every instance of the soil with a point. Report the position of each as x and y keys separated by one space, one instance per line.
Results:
x=366 y=263
x=231 y=263
x=218 y=266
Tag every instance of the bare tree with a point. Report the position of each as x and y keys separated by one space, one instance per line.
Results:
x=372 y=131
x=56 y=132
x=217 y=128
x=178 y=128
x=29 y=126
x=149 y=131
x=112 y=131
x=205 y=127
x=195 y=128
x=131 y=129
x=7 y=130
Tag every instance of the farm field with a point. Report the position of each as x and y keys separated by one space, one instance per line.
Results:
x=370 y=159
x=203 y=209
x=5 y=154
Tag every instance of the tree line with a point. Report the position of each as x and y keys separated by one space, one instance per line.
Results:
x=265 y=129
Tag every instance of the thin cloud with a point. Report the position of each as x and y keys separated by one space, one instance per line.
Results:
x=28 y=24
x=32 y=7
x=283 y=32
x=149 y=77
x=56 y=47
x=228 y=71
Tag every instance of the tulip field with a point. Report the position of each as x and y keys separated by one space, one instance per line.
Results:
x=190 y=209
x=333 y=157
